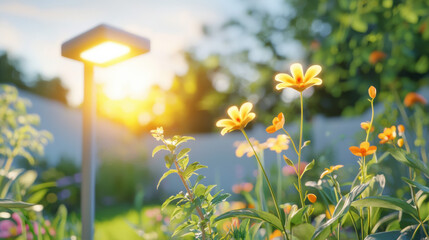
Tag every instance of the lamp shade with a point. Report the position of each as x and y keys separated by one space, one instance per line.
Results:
x=104 y=45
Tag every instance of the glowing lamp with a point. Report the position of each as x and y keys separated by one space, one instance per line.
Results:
x=104 y=45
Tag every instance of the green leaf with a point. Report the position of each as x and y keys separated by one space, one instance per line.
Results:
x=308 y=167
x=8 y=203
x=183 y=162
x=165 y=175
x=183 y=153
x=323 y=231
x=384 y=235
x=416 y=184
x=158 y=148
x=37 y=196
x=386 y=202
x=170 y=199
x=409 y=160
x=303 y=231
x=376 y=186
x=190 y=170
x=252 y=214
x=169 y=160
x=296 y=216
x=220 y=198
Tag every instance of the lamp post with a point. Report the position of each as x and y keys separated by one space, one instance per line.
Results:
x=100 y=46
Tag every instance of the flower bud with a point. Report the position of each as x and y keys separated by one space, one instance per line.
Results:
x=401 y=142
x=372 y=92
x=312 y=198
x=401 y=129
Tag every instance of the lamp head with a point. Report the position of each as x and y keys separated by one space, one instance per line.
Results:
x=104 y=46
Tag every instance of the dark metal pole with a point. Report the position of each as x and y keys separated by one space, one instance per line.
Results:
x=88 y=154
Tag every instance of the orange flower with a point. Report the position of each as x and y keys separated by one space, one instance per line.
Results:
x=238 y=118
x=330 y=211
x=387 y=135
x=372 y=92
x=365 y=126
x=276 y=235
x=376 y=56
x=401 y=129
x=299 y=81
x=412 y=98
x=278 y=144
x=278 y=123
x=330 y=170
x=312 y=198
x=363 y=150
x=400 y=142
x=287 y=208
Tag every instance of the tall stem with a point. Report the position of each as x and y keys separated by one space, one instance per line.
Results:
x=301 y=197
x=8 y=164
x=191 y=197
x=265 y=174
x=279 y=178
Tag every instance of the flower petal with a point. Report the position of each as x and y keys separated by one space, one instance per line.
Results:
x=245 y=109
x=371 y=150
x=284 y=77
x=233 y=113
x=355 y=150
x=280 y=86
x=312 y=72
x=364 y=145
x=314 y=81
x=225 y=123
x=271 y=129
x=296 y=70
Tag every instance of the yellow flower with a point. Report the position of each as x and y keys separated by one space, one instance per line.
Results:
x=312 y=198
x=238 y=118
x=237 y=205
x=330 y=211
x=299 y=81
x=365 y=126
x=387 y=134
x=330 y=170
x=278 y=123
x=244 y=147
x=363 y=150
x=278 y=144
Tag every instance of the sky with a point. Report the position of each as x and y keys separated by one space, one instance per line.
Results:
x=33 y=31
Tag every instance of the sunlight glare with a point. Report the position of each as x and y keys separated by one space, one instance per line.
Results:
x=105 y=52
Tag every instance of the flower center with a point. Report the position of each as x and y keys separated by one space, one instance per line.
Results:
x=238 y=119
x=299 y=79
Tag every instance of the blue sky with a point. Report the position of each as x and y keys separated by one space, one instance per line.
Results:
x=33 y=31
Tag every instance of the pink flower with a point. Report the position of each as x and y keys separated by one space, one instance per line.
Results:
x=9 y=228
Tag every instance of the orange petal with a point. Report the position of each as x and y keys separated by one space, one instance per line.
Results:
x=355 y=150
x=271 y=129
x=371 y=150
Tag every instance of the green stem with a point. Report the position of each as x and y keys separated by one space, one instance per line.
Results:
x=265 y=174
x=291 y=140
x=301 y=197
x=279 y=178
